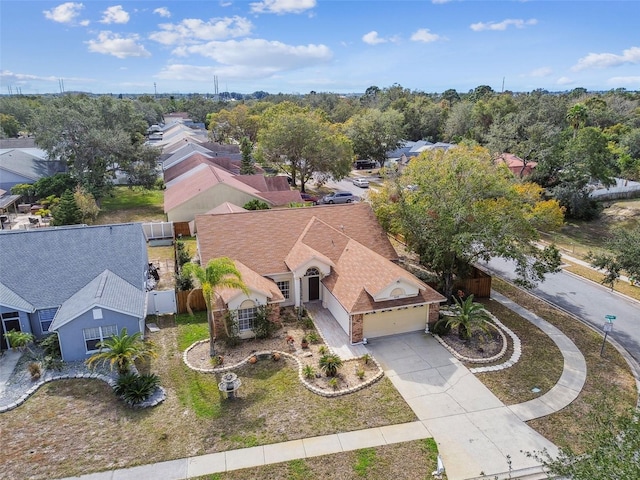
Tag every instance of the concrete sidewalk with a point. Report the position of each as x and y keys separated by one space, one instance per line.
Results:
x=8 y=363
x=266 y=454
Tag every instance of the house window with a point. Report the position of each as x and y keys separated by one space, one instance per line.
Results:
x=246 y=318
x=94 y=335
x=312 y=272
x=284 y=288
x=46 y=317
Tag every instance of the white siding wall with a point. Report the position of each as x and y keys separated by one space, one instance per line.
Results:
x=330 y=303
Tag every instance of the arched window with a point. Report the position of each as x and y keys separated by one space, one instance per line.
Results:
x=397 y=292
x=312 y=272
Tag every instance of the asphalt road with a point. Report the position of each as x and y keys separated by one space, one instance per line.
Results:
x=348 y=186
x=588 y=301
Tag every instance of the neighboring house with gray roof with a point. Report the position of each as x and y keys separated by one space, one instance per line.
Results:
x=26 y=165
x=86 y=283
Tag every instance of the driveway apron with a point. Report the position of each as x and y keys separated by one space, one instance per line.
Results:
x=476 y=433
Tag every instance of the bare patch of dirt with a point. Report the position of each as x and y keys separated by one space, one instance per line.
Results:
x=481 y=345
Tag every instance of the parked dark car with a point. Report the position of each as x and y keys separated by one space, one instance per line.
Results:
x=338 y=197
x=364 y=164
x=309 y=198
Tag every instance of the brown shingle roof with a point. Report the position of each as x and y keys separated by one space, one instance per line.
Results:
x=253 y=281
x=262 y=239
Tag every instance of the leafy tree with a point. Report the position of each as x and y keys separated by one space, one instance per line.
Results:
x=55 y=185
x=9 y=125
x=67 y=211
x=459 y=123
x=256 y=204
x=96 y=138
x=612 y=451
x=122 y=350
x=624 y=257
x=468 y=316
x=219 y=273
x=587 y=156
x=86 y=204
x=303 y=143
x=462 y=208
x=246 y=147
x=227 y=125
x=374 y=133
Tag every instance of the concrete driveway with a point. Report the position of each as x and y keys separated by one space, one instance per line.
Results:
x=474 y=430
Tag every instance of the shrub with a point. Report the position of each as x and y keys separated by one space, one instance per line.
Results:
x=184 y=282
x=263 y=327
x=307 y=323
x=18 y=339
x=329 y=364
x=313 y=337
x=308 y=371
x=134 y=388
x=442 y=327
x=366 y=358
x=323 y=350
x=256 y=204
x=182 y=254
x=333 y=383
x=360 y=373
x=51 y=346
x=52 y=363
x=34 y=370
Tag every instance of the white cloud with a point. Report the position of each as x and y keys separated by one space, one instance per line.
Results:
x=110 y=43
x=604 y=60
x=518 y=23
x=624 y=81
x=192 y=30
x=424 y=35
x=540 y=72
x=64 y=13
x=372 y=38
x=7 y=76
x=163 y=12
x=115 y=14
x=264 y=55
x=282 y=6
x=564 y=81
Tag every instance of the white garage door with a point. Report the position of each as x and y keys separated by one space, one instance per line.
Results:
x=395 y=321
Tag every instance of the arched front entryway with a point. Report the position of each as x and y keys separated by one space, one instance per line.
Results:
x=313 y=284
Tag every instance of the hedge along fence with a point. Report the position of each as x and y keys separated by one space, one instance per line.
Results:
x=197 y=301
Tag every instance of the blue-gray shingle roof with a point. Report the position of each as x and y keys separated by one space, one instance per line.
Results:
x=107 y=291
x=46 y=266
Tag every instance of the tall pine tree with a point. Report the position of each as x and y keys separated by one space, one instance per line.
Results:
x=246 y=147
x=67 y=211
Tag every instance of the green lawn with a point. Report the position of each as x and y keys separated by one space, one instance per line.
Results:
x=133 y=204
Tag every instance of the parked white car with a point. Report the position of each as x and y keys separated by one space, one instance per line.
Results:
x=361 y=182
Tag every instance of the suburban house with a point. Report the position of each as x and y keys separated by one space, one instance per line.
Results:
x=337 y=255
x=518 y=166
x=26 y=165
x=86 y=283
x=207 y=186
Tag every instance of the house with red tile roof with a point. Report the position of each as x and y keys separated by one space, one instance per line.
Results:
x=518 y=166
x=336 y=254
x=207 y=186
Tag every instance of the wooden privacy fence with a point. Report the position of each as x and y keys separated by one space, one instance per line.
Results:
x=197 y=301
x=181 y=229
x=479 y=284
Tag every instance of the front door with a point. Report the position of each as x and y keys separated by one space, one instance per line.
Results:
x=9 y=321
x=314 y=288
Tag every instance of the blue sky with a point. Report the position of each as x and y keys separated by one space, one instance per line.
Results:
x=295 y=46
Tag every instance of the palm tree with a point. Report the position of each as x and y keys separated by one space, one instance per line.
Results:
x=577 y=117
x=219 y=273
x=122 y=350
x=329 y=364
x=468 y=316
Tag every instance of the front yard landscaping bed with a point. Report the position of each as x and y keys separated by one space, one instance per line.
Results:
x=73 y=427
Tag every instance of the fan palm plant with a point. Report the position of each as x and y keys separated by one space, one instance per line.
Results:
x=468 y=316
x=329 y=364
x=219 y=273
x=122 y=350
